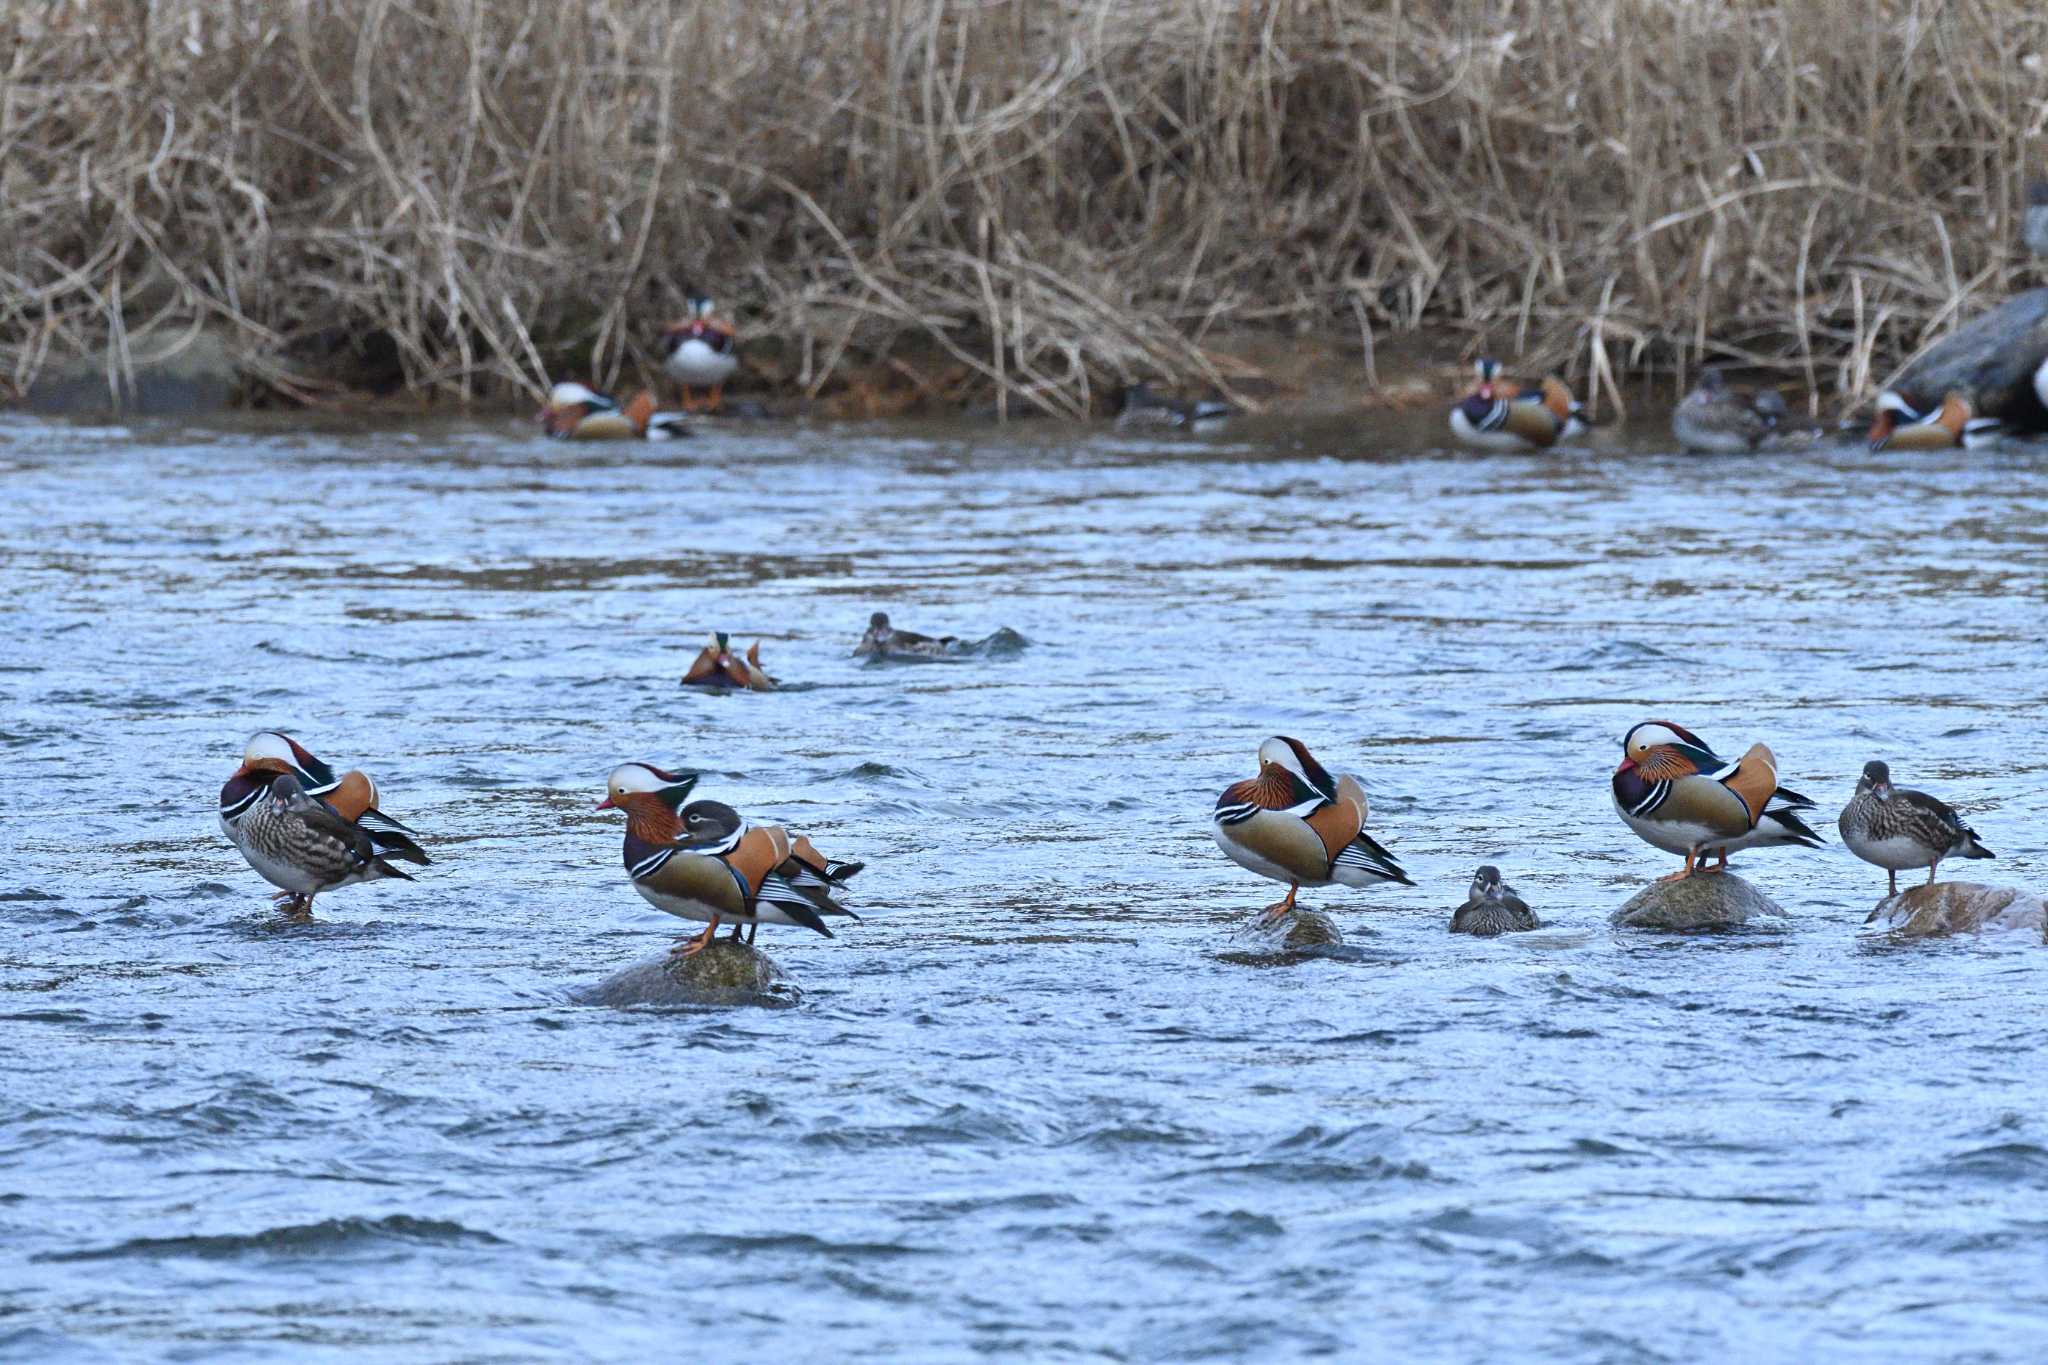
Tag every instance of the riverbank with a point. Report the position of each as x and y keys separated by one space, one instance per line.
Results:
x=932 y=205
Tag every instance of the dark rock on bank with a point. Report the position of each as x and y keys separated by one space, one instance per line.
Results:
x=1990 y=360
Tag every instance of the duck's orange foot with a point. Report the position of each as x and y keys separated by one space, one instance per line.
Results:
x=1678 y=876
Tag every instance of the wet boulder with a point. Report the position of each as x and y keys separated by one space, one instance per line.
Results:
x=1990 y=360
x=168 y=376
x=1705 y=900
x=726 y=973
x=1300 y=933
x=1935 y=909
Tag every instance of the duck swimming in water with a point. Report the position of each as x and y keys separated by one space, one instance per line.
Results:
x=717 y=666
x=885 y=641
x=1492 y=907
x=1716 y=419
x=577 y=412
x=1502 y=414
x=1899 y=427
x=1141 y=406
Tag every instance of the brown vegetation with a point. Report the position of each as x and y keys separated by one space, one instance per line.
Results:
x=1044 y=196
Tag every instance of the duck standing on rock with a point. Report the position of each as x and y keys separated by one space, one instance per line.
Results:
x=1898 y=828
x=273 y=810
x=1899 y=427
x=703 y=862
x=1499 y=415
x=700 y=352
x=1715 y=419
x=716 y=666
x=1678 y=795
x=1492 y=907
x=1296 y=824
x=577 y=412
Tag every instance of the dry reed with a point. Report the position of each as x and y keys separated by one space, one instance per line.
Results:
x=1043 y=196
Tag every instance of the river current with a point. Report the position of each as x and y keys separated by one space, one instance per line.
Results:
x=1039 y=1102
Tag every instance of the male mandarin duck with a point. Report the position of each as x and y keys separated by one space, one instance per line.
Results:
x=305 y=830
x=576 y=412
x=717 y=666
x=703 y=862
x=1716 y=419
x=1899 y=427
x=1500 y=415
x=1296 y=824
x=700 y=352
x=1678 y=795
x=1898 y=828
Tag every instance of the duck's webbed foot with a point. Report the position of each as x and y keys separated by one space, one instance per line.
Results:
x=1278 y=910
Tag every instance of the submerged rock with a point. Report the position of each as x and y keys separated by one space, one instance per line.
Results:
x=1705 y=900
x=726 y=973
x=165 y=376
x=1934 y=909
x=1990 y=360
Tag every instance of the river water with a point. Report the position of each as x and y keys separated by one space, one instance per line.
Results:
x=1038 y=1102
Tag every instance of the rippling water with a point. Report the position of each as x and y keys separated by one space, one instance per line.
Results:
x=1035 y=1103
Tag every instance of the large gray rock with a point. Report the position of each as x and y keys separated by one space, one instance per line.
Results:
x=1934 y=909
x=1300 y=934
x=1705 y=900
x=1990 y=360
x=726 y=973
x=166 y=376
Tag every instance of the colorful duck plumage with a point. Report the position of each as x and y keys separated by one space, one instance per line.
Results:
x=1297 y=824
x=716 y=666
x=703 y=862
x=577 y=412
x=1678 y=795
x=700 y=351
x=1501 y=414
x=1899 y=427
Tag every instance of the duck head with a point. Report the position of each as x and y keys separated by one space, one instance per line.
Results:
x=569 y=403
x=1876 y=779
x=635 y=784
x=273 y=751
x=1292 y=756
x=879 y=621
x=1485 y=882
x=1487 y=370
x=1893 y=411
x=1656 y=743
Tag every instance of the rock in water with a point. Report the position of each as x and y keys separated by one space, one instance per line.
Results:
x=174 y=376
x=1705 y=900
x=1933 y=909
x=726 y=973
x=1990 y=360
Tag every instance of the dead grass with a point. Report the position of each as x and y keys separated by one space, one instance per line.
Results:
x=1046 y=196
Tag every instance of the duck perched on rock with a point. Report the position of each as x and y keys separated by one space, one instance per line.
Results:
x=577 y=412
x=1501 y=415
x=717 y=666
x=703 y=862
x=305 y=830
x=1297 y=824
x=1141 y=406
x=1680 y=796
x=1899 y=427
x=1492 y=907
x=884 y=641
x=1717 y=419
x=1898 y=828
x=701 y=351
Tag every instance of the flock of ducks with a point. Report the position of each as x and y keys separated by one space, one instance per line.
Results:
x=307 y=830
x=699 y=352
x=1716 y=418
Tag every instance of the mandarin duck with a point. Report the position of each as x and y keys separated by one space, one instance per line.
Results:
x=1492 y=907
x=702 y=861
x=700 y=352
x=716 y=666
x=1677 y=795
x=1501 y=414
x=1898 y=828
x=1715 y=419
x=305 y=830
x=884 y=641
x=577 y=412
x=1140 y=405
x=1296 y=824
x=1899 y=427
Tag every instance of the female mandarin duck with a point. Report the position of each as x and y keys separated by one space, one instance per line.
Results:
x=576 y=412
x=305 y=830
x=1898 y=828
x=1899 y=427
x=1500 y=415
x=1715 y=419
x=701 y=861
x=716 y=666
x=700 y=352
x=1677 y=795
x=1297 y=824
